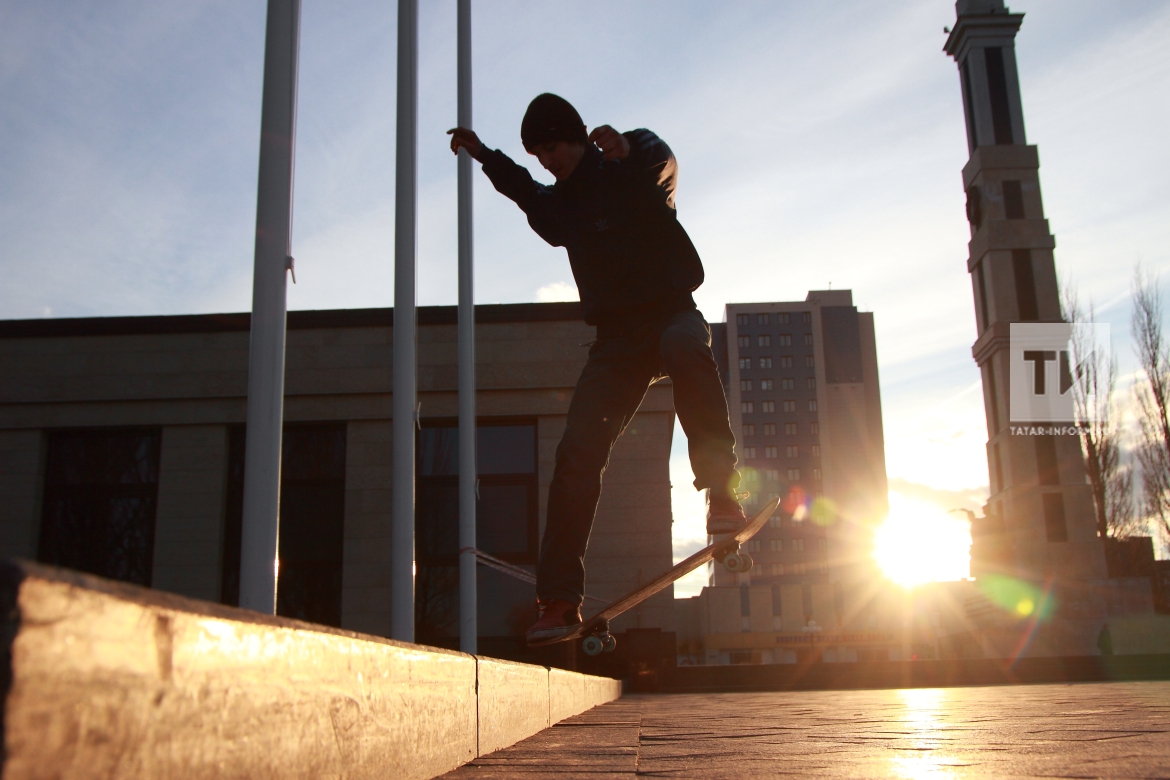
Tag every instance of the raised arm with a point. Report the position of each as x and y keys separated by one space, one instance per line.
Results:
x=650 y=153
x=513 y=181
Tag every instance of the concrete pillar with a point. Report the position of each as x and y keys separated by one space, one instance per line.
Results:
x=22 y=486
x=365 y=587
x=188 y=529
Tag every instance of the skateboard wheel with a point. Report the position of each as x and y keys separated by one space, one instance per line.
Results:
x=736 y=563
x=748 y=562
x=592 y=645
x=608 y=643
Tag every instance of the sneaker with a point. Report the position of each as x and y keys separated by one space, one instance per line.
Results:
x=557 y=618
x=724 y=514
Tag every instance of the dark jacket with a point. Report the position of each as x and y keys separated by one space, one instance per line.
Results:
x=631 y=259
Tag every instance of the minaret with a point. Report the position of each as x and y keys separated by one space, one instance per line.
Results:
x=1039 y=529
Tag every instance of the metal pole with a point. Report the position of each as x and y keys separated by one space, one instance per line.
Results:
x=259 y=542
x=468 y=624
x=405 y=328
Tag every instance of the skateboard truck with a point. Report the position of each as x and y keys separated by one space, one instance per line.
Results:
x=732 y=559
x=601 y=641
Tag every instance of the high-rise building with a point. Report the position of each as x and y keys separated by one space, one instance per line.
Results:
x=802 y=386
x=1039 y=528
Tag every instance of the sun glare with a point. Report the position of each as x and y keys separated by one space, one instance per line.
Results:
x=921 y=542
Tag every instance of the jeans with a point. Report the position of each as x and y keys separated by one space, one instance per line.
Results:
x=611 y=387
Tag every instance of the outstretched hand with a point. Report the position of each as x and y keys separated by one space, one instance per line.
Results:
x=613 y=145
x=462 y=138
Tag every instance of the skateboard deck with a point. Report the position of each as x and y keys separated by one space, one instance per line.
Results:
x=596 y=627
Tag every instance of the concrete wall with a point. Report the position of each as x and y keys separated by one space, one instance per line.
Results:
x=188 y=531
x=115 y=681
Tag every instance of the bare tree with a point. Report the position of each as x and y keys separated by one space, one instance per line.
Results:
x=1095 y=403
x=1152 y=396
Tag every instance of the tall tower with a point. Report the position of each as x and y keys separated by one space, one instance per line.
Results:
x=1039 y=529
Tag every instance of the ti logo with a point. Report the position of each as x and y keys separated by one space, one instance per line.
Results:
x=1046 y=359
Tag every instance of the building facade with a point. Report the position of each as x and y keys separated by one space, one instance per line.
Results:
x=1039 y=532
x=802 y=387
x=122 y=443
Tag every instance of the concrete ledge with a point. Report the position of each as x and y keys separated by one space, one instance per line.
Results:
x=109 y=680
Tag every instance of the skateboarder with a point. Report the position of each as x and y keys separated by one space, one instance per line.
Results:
x=612 y=208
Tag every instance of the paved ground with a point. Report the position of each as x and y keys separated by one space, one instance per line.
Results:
x=1085 y=730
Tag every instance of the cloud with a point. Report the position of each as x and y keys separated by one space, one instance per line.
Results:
x=557 y=291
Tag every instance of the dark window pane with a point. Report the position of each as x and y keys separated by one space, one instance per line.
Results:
x=1013 y=199
x=506 y=449
x=1046 y=464
x=438 y=451
x=101 y=491
x=312 y=521
x=1001 y=118
x=1025 y=285
x=436 y=513
x=503 y=520
x=1054 y=525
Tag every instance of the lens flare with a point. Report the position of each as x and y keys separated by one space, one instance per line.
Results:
x=920 y=542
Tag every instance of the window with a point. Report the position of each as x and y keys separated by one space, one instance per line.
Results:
x=98 y=510
x=816 y=450
x=793 y=475
x=792 y=451
x=745 y=385
x=1013 y=199
x=814 y=427
x=777 y=545
x=741 y=319
x=812 y=405
x=823 y=544
x=810 y=383
x=766 y=384
x=798 y=545
x=770 y=452
x=784 y=340
x=789 y=429
x=749 y=452
x=789 y=406
x=1054 y=521
x=807 y=318
x=765 y=362
x=745 y=364
x=749 y=430
x=797 y=568
x=753 y=545
x=786 y=361
x=506 y=518
x=752 y=499
x=769 y=429
x=762 y=319
x=808 y=339
x=772 y=475
x=817 y=475
x=747 y=407
x=763 y=341
x=774 y=522
x=822 y=568
x=767 y=407
x=773 y=496
x=777 y=570
x=783 y=318
x=744 y=341
x=312 y=518
x=787 y=384
x=809 y=362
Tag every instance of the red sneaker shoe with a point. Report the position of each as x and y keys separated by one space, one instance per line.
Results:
x=724 y=514
x=557 y=618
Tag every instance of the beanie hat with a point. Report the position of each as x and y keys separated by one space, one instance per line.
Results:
x=551 y=118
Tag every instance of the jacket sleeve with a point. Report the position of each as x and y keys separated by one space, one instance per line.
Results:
x=533 y=198
x=651 y=155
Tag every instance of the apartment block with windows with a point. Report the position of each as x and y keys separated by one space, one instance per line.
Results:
x=802 y=386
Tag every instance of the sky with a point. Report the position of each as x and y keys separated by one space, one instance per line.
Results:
x=819 y=144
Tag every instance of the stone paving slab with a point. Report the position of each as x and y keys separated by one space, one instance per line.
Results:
x=1113 y=730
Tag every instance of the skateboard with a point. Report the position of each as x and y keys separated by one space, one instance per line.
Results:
x=594 y=631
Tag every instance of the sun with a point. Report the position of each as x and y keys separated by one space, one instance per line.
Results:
x=921 y=542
